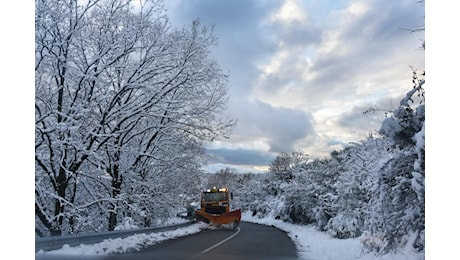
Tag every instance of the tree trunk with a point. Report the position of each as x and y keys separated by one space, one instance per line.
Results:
x=62 y=181
x=117 y=180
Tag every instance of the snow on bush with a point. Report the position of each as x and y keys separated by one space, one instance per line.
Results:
x=127 y=224
x=345 y=225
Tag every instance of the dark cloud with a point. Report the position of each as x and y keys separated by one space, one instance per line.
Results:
x=238 y=23
x=230 y=14
x=368 y=117
x=356 y=121
x=243 y=39
x=280 y=127
x=240 y=156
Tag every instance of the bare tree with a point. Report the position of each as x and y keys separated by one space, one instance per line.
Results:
x=223 y=178
x=284 y=164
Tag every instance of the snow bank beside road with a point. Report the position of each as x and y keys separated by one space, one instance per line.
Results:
x=315 y=245
x=121 y=245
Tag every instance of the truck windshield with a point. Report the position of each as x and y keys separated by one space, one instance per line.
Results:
x=214 y=196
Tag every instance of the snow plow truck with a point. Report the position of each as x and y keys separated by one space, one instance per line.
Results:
x=215 y=208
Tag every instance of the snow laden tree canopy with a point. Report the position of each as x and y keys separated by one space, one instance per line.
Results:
x=406 y=120
x=123 y=105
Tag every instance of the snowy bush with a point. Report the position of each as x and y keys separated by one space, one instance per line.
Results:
x=406 y=121
x=374 y=241
x=395 y=209
x=299 y=210
x=346 y=224
x=127 y=224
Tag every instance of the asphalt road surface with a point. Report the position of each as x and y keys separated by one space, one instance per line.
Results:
x=248 y=241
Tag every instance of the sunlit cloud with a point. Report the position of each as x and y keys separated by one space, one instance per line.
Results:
x=289 y=12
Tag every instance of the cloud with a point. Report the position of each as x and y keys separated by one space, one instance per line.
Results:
x=240 y=156
x=302 y=72
x=240 y=159
x=238 y=24
x=216 y=167
x=280 y=128
x=364 y=44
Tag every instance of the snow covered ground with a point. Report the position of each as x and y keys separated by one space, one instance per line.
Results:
x=311 y=244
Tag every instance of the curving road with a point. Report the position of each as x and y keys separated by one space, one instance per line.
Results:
x=249 y=241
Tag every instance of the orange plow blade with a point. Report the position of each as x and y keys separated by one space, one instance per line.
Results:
x=232 y=217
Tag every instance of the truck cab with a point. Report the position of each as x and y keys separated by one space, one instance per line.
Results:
x=215 y=208
x=215 y=201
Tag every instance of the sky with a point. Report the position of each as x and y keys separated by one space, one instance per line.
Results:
x=310 y=243
x=302 y=72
